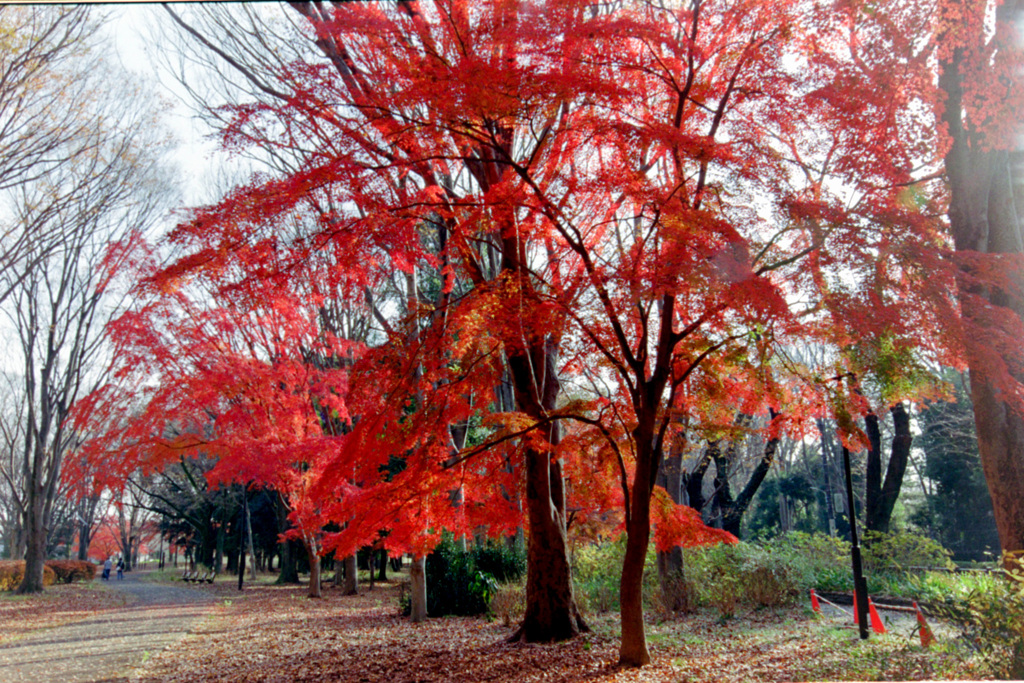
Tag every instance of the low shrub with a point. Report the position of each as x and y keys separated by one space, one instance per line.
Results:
x=68 y=571
x=454 y=583
x=13 y=571
x=508 y=602
x=896 y=552
x=991 y=619
x=502 y=562
x=728 y=575
x=596 y=569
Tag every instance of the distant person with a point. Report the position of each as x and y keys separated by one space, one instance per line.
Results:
x=120 y=568
x=107 y=564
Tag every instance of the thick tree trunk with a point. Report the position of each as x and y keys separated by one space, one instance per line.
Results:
x=633 y=648
x=289 y=571
x=418 y=586
x=551 y=612
x=382 y=572
x=84 y=538
x=314 y=573
x=351 y=586
x=880 y=498
x=986 y=197
x=35 y=547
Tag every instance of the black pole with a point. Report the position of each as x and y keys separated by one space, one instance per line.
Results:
x=860 y=584
x=241 y=541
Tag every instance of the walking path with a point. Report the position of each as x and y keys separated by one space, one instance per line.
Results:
x=111 y=645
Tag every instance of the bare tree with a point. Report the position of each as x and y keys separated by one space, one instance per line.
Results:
x=46 y=118
x=59 y=298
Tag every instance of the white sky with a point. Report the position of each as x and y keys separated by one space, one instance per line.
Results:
x=197 y=156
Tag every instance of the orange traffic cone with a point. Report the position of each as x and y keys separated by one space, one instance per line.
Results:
x=815 y=605
x=926 y=633
x=876 y=621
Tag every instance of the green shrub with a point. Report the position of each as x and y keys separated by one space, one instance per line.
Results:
x=454 y=583
x=68 y=571
x=896 y=552
x=596 y=570
x=13 y=571
x=992 y=620
x=728 y=575
x=503 y=563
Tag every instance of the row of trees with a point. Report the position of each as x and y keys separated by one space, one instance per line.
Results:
x=81 y=182
x=508 y=265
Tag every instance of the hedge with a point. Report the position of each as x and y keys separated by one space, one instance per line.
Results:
x=68 y=571
x=12 y=572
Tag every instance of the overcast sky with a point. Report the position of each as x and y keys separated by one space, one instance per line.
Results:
x=197 y=155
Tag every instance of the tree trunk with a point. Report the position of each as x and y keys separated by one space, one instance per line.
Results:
x=314 y=573
x=733 y=509
x=633 y=648
x=351 y=586
x=35 y=546
x=84 y=538
x=694 y=481
x=674 y=596
x=382 y=573
x=418 y=586
x=551 y=612
x=289 y=572
x=986 y=184
x=880 y=498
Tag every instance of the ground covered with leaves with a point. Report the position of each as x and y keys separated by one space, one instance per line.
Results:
x=57 y=605
x=275 y=633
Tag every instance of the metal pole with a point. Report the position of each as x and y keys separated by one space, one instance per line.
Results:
x=860 y=584
x=241 y=541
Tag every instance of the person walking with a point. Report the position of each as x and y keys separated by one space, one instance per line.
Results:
x=120 y=568
x=107 y=564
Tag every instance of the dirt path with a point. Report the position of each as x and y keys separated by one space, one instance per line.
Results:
x=111 y=645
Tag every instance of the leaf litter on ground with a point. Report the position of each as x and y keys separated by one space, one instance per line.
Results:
x=275 y=633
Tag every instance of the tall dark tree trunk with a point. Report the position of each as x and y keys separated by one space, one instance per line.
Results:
x=694 y=480
x=351 y=566
x=880 y=497
x=286 y=549
x=84 y=538
x=35 y=544
x=633 y=648
x=551 y=612
x=986 y=181
x=670 y=563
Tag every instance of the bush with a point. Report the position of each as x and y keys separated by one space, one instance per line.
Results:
x=896 y=552
x=503 y=563
x=13 y=571
x=596 y=569
x=508 y=602
x=454 y=583
x=992 y=621
x=68 y=571
x=728 y=575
